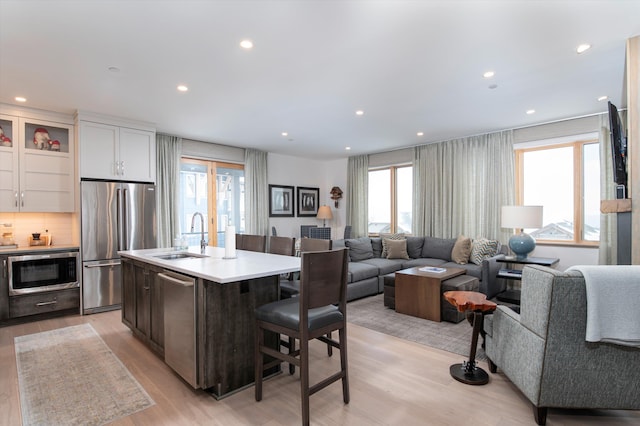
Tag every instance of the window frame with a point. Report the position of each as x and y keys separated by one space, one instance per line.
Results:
x=212 y=201
x=393 y=225
x=578 y=189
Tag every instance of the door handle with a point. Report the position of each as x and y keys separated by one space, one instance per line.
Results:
x=184 y=283
x=101 y=265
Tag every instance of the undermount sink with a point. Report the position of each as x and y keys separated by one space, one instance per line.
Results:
x=175 y=256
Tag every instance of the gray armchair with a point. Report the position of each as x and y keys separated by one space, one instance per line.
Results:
x=543 y=350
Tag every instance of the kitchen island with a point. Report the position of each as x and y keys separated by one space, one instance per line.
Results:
x=197 y=310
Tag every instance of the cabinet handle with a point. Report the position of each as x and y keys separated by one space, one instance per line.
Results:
x=22 y=198
x=4 y=268
x=16 y=198
x=53 y=302
x=146 y=288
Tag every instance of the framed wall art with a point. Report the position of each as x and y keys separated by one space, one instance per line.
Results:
x=308 y=199
x=281 y=201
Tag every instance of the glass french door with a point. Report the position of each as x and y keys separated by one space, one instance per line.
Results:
x=216 y=190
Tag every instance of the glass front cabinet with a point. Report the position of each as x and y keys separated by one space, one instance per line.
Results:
x=36 y=165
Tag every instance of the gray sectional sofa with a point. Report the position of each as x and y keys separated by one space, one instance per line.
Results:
x=367 y=267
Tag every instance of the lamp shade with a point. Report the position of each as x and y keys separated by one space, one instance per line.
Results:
x=524 y=217
x=324 y=212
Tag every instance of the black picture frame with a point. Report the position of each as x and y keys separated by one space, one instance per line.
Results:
x=281 y=201
x=307 y=201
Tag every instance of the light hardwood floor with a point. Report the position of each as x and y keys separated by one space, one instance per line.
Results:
x=393 y=382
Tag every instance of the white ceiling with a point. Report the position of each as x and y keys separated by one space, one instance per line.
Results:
x=409 y=65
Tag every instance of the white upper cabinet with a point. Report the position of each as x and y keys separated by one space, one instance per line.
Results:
x=115 y=152
x=37 y=158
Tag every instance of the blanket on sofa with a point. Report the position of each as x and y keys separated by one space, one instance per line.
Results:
x=613 y=293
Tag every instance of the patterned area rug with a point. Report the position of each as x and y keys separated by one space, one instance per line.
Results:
x=70 y=376
x=371 y=313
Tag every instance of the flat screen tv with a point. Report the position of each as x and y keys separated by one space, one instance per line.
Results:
x=618 y=150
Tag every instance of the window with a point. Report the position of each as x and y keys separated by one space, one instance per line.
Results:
x=565 y=180
x=390 y=199
x=221 y=198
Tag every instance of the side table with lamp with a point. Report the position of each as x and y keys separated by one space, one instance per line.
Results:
x=520 y=217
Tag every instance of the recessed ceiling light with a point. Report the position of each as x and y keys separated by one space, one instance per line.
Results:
x=20 y=99
x=348 y=148
x=583 y=48
x=488 y=74
x=182 y=88
x=603 y=98
x=285 y=134
x=420 y=133
x=246 y=44
x=359 y=112
x=114 y=69
x=531 y=111
x=493 y=86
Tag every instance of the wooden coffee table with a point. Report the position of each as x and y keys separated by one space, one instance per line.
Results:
x=418 y=292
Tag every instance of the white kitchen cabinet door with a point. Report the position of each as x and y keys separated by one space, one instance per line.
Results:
x=99 y=156
x=138 y=155
x=9 y=163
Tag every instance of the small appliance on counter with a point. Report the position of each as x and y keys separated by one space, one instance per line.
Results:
x=38 y=239
x=6 y=236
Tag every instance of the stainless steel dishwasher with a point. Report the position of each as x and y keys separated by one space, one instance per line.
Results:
x=180 y=351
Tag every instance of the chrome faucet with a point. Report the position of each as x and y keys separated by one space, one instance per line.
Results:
x=203 y=243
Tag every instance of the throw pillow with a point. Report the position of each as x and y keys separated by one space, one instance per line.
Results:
x=389 y=237
x=359 y=249
x=481 y=249
x=414 y=246
x=438 y=248
x=397 y=249
x=461 y=250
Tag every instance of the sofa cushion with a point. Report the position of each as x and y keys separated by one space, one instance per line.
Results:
x=422 y=261
x=359 y=271
x=396 y=249
x=376 y=243
x=359 y=249
x=414 y=246
x=385 y=266
x=481 y=249
x=338 y=244
x=438 y=248
x=385 y=237
x=461 y=250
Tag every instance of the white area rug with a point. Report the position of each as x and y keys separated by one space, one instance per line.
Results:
x=70 y=376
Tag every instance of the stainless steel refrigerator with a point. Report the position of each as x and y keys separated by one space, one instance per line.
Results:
x=115 y=216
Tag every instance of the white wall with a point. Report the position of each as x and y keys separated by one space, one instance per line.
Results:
x=295 y=171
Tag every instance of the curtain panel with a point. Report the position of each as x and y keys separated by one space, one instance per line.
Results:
x=461 y=185
x=357 y=195
x=256 y=192
x=168 y=151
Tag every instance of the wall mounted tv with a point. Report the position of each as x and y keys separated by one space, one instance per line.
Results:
x=618 y=151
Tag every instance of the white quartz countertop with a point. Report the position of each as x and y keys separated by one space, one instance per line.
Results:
x=214 y=267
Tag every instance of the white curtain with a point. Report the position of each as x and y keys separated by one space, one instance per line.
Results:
x=256 y=192
x=168 y=149
x=357 y=195
x=461 y=185
x=608 y=247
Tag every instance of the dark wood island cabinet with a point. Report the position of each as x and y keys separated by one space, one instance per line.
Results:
x=225 y=294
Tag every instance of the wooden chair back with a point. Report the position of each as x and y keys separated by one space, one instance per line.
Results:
x=314 y=244
x=323 y=280
x=282 y=245
x=254 y=243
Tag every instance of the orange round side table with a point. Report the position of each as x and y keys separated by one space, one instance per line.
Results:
x=476 y=306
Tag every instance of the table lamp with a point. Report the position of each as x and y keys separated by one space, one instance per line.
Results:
x=521 y=217
x=324 y=213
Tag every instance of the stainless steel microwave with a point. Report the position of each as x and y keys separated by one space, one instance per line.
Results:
x=42 y=272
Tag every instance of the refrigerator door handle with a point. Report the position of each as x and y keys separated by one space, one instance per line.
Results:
x=119 y=218
x=125 y=219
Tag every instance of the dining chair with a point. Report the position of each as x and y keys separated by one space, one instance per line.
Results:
x=320 y=308
x=254 y=243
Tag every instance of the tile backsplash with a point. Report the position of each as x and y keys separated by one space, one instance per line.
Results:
x=59 y=225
